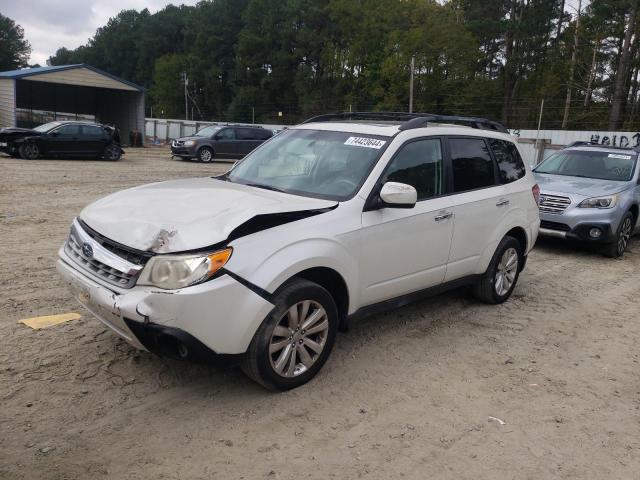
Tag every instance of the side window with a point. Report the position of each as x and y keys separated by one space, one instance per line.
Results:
x=91 y=131
x=246 y=134
x=418 y=164
x=264 y=134
x=69 y=130
x=471 y=163
x=510 y=164
x=226 y=134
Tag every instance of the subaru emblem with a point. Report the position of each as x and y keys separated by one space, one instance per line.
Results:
x=87 y=250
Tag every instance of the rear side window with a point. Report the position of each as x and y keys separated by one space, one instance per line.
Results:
x=91 y=131
x=418 y=164
x=471 y=163
x=245 y=134
x=264 y=134
x=510 y=164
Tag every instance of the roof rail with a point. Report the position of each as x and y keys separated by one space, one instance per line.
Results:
x=411 y=120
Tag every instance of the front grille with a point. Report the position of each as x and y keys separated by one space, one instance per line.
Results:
x=134 y=256
x=554 y=226
x=553 y=203
x=177 y=143
x=122 y=272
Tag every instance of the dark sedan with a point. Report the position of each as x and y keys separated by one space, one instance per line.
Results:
x=222 y=141
x=62 y=139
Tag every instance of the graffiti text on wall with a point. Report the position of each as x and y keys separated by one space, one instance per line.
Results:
x=617 y=140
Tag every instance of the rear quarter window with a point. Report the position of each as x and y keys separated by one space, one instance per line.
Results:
x=510 y=164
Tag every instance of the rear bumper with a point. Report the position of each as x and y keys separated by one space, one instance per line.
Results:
x=221 y=314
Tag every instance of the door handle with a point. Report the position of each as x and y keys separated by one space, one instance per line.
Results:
x=502 y=202
x=443 y=216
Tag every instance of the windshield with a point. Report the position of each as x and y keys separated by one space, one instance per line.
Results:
x=590 y=164
x=207 y=131
x=45 y=127
x=313 y=163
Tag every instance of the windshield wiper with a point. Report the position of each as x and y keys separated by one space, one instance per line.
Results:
x=265 y=187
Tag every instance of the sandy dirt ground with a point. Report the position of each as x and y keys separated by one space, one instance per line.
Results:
x=408 y=394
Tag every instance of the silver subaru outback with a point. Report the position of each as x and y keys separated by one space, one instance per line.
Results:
x=590 y=193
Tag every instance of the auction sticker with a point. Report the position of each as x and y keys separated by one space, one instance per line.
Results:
x=365 y=142
x=623 y=157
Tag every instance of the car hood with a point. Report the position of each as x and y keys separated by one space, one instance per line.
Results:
x=15 y=132
x=577 y=186
x=191 y=214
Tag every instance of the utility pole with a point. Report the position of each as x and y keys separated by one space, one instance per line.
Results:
x=253 y=114
x=413 y=59
x=185 y=80
x=572 y=68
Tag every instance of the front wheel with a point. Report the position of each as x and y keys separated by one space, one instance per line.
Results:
x=295 y=339
x=29 y=151
x=501 y=277
x=618 y=247
x=205 y=154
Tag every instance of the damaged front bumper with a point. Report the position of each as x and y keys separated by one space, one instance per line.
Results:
x=221 y=314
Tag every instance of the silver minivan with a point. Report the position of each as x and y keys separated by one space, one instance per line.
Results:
x=590 y=193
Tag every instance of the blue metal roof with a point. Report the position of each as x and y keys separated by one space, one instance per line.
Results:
x=28 y=72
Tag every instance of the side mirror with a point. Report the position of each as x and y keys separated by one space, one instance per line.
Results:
x=398 y=195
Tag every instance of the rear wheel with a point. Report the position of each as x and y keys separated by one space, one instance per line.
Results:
x=112 y=152
x=205 y=154
x=617 y=248
x=295 y=339
x=29 y=151
x=501 y=277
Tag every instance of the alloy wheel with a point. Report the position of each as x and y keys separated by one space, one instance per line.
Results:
x=625 y=234
x=205 y=155
x=31 y=151
x=298 y=338
x=506 y=271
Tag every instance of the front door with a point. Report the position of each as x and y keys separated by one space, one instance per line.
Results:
x=406 y=250
x=225 y=145
x=63 y=139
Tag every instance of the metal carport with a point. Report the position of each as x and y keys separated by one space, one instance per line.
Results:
x=71 y=90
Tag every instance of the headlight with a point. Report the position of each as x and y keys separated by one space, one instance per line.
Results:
x=599 y=202
x=189 y=143
x=177 y=271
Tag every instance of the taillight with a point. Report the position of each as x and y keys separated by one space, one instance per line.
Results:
x=536 y=193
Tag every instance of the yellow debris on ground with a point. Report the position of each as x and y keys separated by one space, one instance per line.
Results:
x=49 y=320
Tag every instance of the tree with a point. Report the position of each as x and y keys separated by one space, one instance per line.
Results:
x=14 y=49
x=167 y=91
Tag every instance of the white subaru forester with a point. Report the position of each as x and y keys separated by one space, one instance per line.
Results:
x=331 y=220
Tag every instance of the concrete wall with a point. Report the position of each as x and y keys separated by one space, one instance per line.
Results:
x=165 y=130
x=550 y=141
x=7 y=102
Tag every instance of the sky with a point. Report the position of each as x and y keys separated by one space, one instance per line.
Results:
x=51 y=24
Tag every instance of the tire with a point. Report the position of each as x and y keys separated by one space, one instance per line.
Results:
x=205 y=154
x=112 y=152
x=617 y=248
x=29 y=151
x=490 y=289
x=284 y=368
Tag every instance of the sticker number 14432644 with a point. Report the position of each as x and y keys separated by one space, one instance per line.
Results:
x=365 y=142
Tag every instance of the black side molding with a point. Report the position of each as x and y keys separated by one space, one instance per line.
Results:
x=408 y=298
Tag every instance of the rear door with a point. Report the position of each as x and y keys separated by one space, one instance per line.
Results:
x=479 y=203
x=247 y=139
x=92 y=140
x=225 y=144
